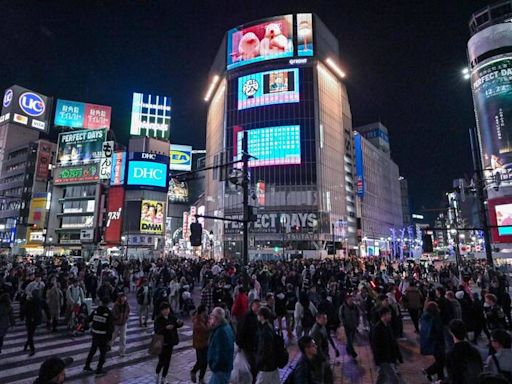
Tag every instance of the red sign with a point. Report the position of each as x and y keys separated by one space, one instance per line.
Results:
x=44 y=155
x=97 y=116
x=115 y=205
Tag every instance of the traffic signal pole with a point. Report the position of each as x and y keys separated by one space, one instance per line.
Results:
x=245 y=188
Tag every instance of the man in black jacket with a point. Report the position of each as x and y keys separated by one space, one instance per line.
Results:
x=266 y=355
x=304 y=372
x=101 y=329
x=386 y=351
x=247 y=336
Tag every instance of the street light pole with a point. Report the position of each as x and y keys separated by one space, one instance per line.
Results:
x=245 y=188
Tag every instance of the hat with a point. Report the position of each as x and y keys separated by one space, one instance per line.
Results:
x=52 y=367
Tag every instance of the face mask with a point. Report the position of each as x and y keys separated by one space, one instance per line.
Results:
x=486 y=305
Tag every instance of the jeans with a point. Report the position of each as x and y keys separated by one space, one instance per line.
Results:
x=386 y=374
x=201 y=362
x=220 y=378
x=102 y=345
x=164 y=360
x=121 y=331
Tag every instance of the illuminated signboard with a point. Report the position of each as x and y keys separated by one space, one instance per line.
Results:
x=265 y=88
x=37 y=211
x=358 y=149
x=181 y=157
x=44 y=156
x=266 y=40
x=147 y=170
x=114 y=218
x=151 y=116
x=305 y=34
x=504 y=219
x=25 y=107
x=178 y=191
x=272 y=145
x=77 y=174
x=78 y=147
x=118 y=168
x=75 y=114
x=106 y=160
x=152 y=217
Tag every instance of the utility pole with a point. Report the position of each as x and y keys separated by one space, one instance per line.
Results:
x=245 y=188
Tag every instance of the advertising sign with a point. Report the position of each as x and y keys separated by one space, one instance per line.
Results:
x=106 y=160
x=77 y=174
x=266 y=88
x=79 y=147
x=275 y=222
x=25 y=107
x=178 y=191
x=271 y=145
x=268 y=39
x=186 y=226
x=118 y=168
x=148 y=170
x=151 y=116
x=305 y=34
x=114 y=222
x=44 y=156
x=152 y=217
x=500 y=216
x=360 y=184
x=75 y=114
x=37 y=210
x=180 y=157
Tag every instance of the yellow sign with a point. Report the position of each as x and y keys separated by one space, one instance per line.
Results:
x=37 y=212
x=152 y=217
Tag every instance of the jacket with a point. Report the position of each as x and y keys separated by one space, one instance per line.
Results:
x=413 y=298
x=54 y=299
x=431 y=334
x=303 y=372
x=121 y=313
x=463 y=363
x=246 y=335
x=200 y=332
x=266 y=356
x=384 y=346
x=170 y=335
x=34 y=311
x=221 y=348
x=349 y=316
x=321 y=336
x=240 y=306
x=102 y=323
x=74 y=295
x=144 y=299
x=504 y=360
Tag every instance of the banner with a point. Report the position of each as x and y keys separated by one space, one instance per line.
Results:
x=180 y=158
x=106 y=160
x=118 y=168
x=152 y=217
x=75 y=114
x=44 y=156
x=178 y=191
x=115 y=205
x=25 y=107
x=81 y=146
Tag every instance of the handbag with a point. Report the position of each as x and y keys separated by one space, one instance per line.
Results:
x=156 y=345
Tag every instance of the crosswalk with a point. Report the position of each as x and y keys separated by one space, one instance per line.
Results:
x=16 y=367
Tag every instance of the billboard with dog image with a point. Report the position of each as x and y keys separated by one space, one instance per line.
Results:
x=265 y=40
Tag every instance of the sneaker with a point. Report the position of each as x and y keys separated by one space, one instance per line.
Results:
x=193 y=377
x=87 y=369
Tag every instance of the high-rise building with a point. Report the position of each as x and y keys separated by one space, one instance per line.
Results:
x=406 y=203
x=278 y=81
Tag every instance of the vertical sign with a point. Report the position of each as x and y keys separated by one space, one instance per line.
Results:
x=186 y=226
x=106 y=160
x=359 y=165
x=44 y=156
x=114 y=215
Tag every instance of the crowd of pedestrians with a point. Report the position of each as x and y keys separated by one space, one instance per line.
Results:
x=244 y=316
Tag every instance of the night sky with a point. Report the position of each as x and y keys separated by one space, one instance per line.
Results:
x=402 y=58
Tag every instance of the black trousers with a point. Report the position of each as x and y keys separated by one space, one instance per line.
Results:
x=164 y=360
x=437 y=367
x=201 y=362
x=31 y=329
x=415 y=316
x=100 y=343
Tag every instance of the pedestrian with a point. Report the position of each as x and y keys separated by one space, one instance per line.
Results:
x=500 y=363
x=52 y=371
x=307 y=369
x=240 y=307
x=349 y=317
x=6 y=316
x=102 y=329
x=144 y=296
x=174 y=288
x=432 y=340
x=74 y=299
x=266 y=354
x=207 y=296
x=166 y=324
x=120 y=315
x=386 y=351
x=54 y=298
x=200 y=334
x=33 y=317
x=304 y=314
x=494 y=315
x=413 y=302
x=323 y=338
x=37 y=284
x=221 y=347
x=247 y=336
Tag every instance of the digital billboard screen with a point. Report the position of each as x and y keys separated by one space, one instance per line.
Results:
x=180 y=157
x=147 y=170
x=266 y=88
x=151 y=116
x=78 y=147
x=271 y=145
x=504 y=219
x=492 y=96
x=152 y=216
x=178 y=191
x=305 y=34
x=77 y=174
x=268 y=39
x=75 y=114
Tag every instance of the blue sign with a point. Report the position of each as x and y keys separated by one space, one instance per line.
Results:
x=69 y=114
x=8 y=98
x=32 y=104
x=145 y=173
x=360 y=184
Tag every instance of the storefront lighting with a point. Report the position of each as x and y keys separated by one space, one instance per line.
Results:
x=213 y=84
x=331 y=64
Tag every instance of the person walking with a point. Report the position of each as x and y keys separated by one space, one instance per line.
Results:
x=101 y=329
x=166 y=324
x=247 y=336
x=432 y=340
x=349 y=317
x=200 y=334
x=121 y=315
x=413 y=302
x=323 y=338
x=307 y=369
x=144 y=296
x=500 y=363
x=221 y=347
x=305 y=312
x=74 y=298
x=33 y=317
x=54 y=298
x=266 y=355
x=6 y=316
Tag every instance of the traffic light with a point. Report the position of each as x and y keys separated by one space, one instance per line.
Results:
x=196 y=234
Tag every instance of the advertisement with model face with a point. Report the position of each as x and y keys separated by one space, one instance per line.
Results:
x=268 y=39
x=152 y=217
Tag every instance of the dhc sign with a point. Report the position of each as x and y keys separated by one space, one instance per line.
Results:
x=146 y=173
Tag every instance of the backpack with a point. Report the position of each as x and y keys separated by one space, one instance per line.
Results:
x=504 y=377
x=281 y=353
x=307 y=319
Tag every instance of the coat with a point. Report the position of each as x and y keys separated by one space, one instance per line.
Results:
x=247 y=337
x=266 y=355
x=54 y=299
x=121 y=313
x=170 y=335
x=200 y=332
x=240 y=306
x=6 y=316
x=349 y=316
x=384 y=345
x=463 y=363
x=303 y=372
x=221 y=348
x=431 y=334
x=412 y=298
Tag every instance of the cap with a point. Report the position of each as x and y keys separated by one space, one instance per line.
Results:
x=52 y=367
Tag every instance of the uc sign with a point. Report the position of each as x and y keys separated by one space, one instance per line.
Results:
x=32 y=104
x=180 y=157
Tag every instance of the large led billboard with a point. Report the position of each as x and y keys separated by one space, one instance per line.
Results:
x=151 y=116
x=147 y=170
x=492 y=97
x=152 y=217
x=75 y=114
x=500 y=217
x=180 y=157
x=25 y=107
x=79 y=147
x=271 y=145
x=268 y=39
x=266 y=88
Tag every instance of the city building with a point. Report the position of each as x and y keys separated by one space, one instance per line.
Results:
x=406 y=202
x=279 y=83
x=378 y=189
